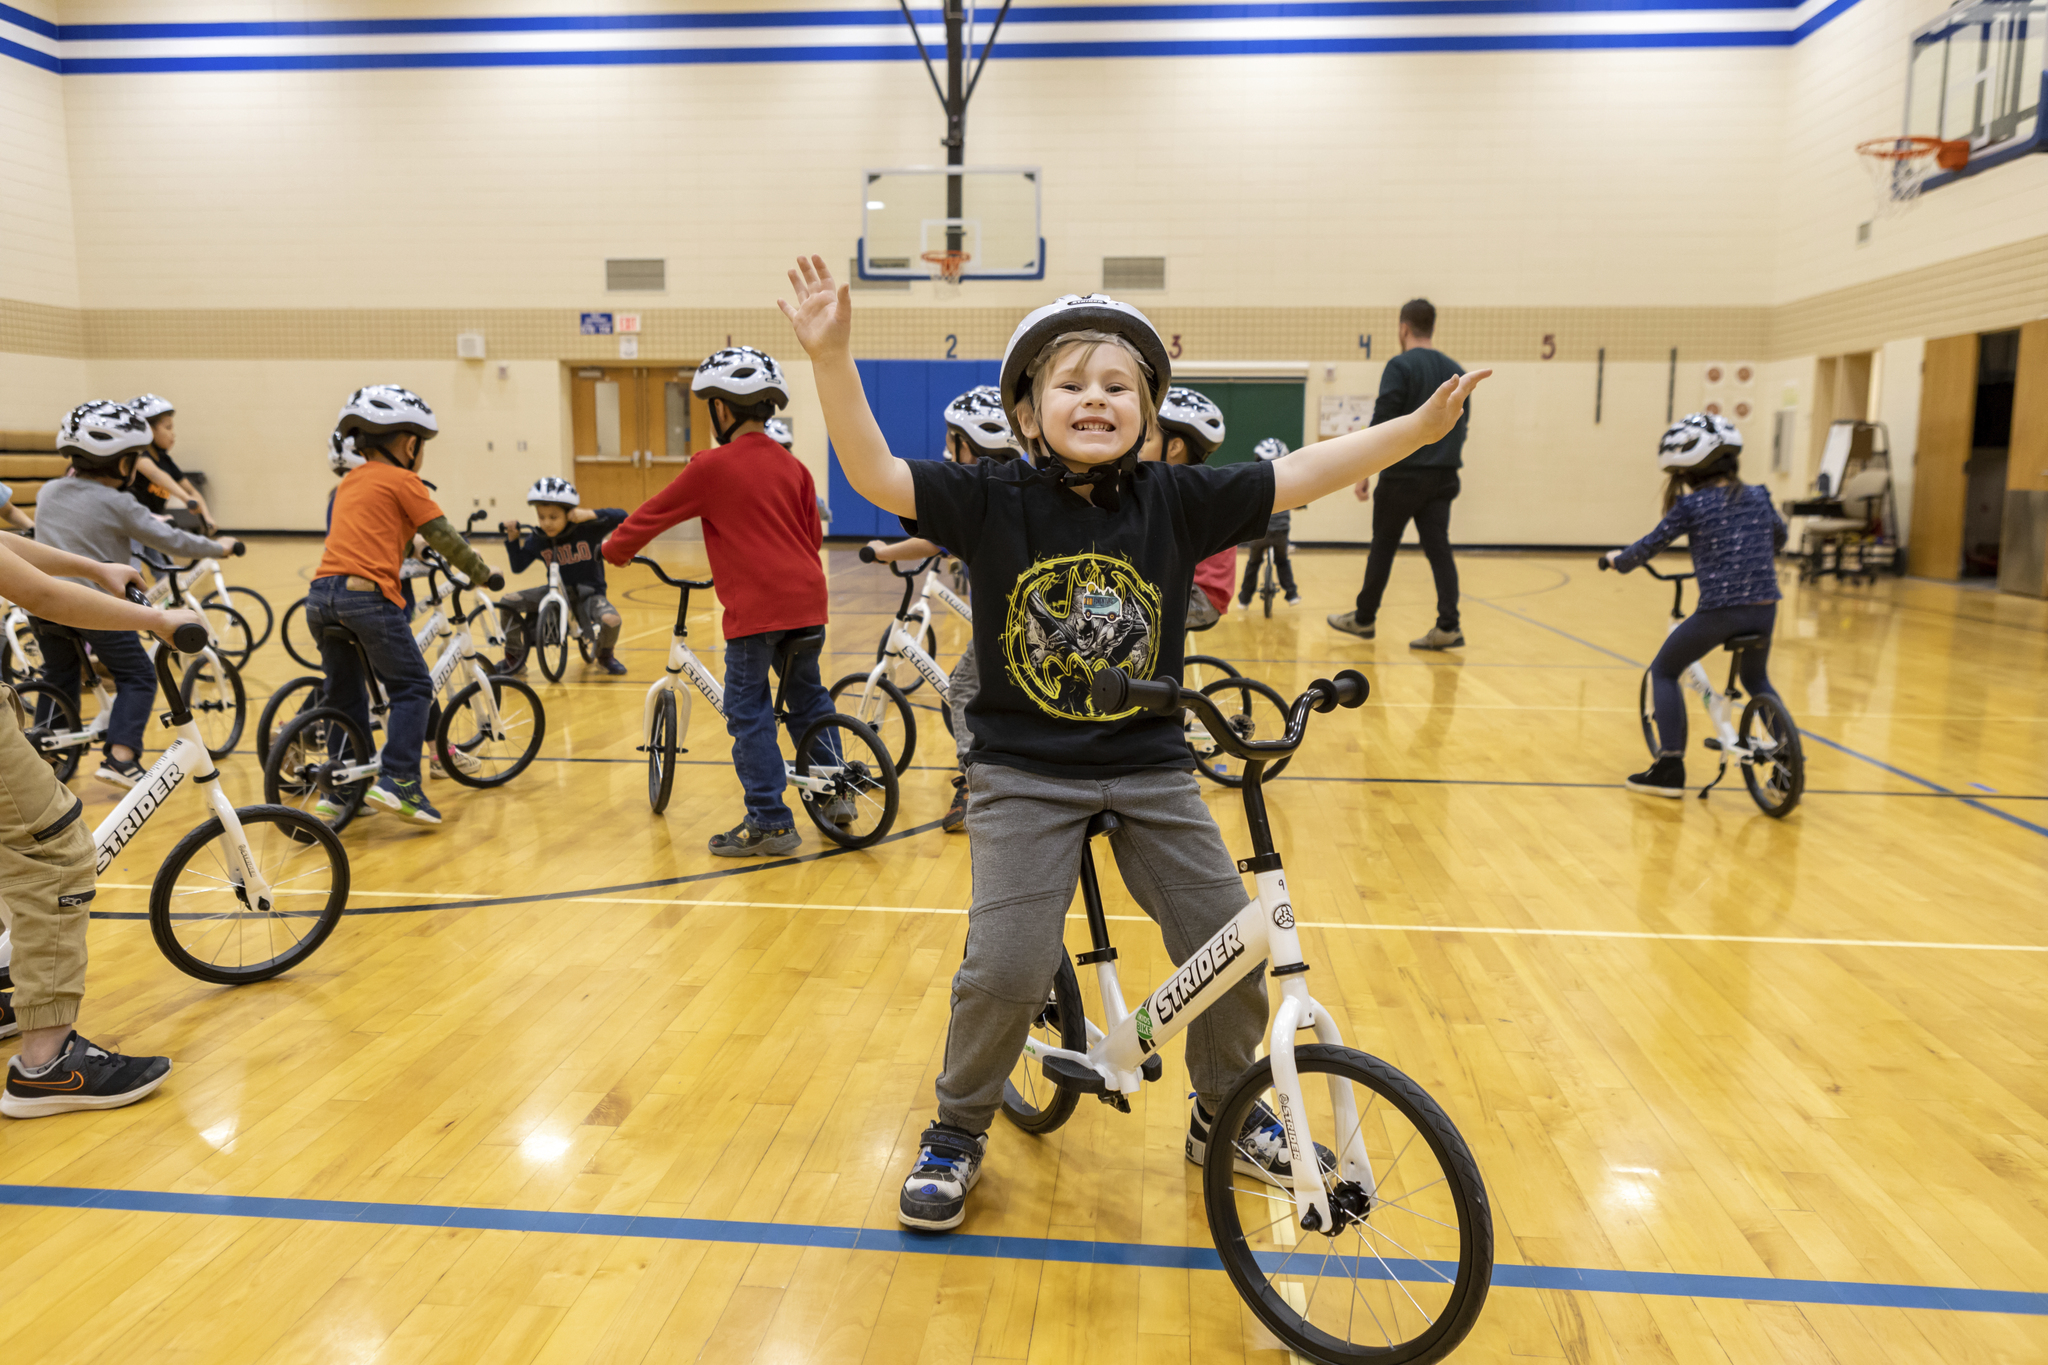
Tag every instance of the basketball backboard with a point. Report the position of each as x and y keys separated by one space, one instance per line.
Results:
x=909 y=212
x=1975 y=74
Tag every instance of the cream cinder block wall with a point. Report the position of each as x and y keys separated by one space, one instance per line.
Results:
x=38 y=240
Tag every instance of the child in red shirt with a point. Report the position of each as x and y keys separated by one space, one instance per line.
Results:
x=762 y=536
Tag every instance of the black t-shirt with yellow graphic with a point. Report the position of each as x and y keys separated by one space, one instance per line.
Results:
x=1064 y=589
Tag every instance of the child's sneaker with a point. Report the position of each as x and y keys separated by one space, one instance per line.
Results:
x=9 y=1024
x=948 y=1164
x=1261 y=1148
x=956 y=814
x=122 y=772
x=406 y=799
x=1294 y=599
x=81 y=1076
x=744 y=841
x=468 y=764
x=1665 y=777
x=609 y=662
x=1244 y=599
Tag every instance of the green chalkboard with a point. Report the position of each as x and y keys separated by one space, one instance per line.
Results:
x=1253 y=409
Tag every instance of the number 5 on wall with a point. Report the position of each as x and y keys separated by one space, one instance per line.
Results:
x=1549 y=345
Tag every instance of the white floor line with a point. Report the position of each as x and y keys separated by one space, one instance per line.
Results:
x=1501 y=931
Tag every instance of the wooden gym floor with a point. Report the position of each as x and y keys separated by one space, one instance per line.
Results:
x=1741 y=1090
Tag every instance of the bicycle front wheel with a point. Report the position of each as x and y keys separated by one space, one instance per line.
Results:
x=1403 y=1274
x=551 y=640
x=487 y=744
x=255 y=609
x=1198 y=670
x=845 y=780
x=1030 y=1099
x=319 y=763
x=212 y=689
x=1254 y=711
x=883 y=709
x=1774 y=766
x=201 y=911
x=297 y=636
x=661 y=752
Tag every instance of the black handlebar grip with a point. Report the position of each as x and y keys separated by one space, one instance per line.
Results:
x=1352 y=688
x=135 y=596
x=496 y=582
x=867 y=554
x=241 y=548
x=1115 y=690
x=1602 y=562
x=189 y=638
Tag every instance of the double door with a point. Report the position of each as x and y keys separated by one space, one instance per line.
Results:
x=633 y=428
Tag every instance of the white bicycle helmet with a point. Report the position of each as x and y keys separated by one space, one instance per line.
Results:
x=555 y=489
x=1194 y=418
x=1081 y=313
x=978 y=416
x=382 y=409
x=1697 y=439
x=101 y=432
x=149 y=407
x=1272 y=448
x=341 y=453
x=741 y=374
x=779 y=432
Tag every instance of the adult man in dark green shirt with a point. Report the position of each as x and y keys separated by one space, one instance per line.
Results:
x=1419 y=488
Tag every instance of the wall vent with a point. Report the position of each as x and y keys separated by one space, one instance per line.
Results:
x=853 y=277
x=1124 y=274
x=643 y=276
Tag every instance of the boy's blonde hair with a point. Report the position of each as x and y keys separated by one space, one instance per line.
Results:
x=1039 y=372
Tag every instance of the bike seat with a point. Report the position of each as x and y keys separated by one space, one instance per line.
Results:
x=341 y=635
x=806 y=641
x=1104 y=822
x=1735 y=644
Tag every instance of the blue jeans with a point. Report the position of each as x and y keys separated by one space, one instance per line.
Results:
x=123 y=654
x=389 y=647
x=1691 y=640
x=750 y=720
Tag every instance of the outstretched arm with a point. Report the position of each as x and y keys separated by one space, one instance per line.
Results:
x=23 y=581
x=916 y=547
x=1342 y=461
x=823 y=319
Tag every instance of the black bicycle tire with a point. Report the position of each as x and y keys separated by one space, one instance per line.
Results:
x=455 y=707
x=65 y=765
x=1240 y=682
x=1454 y=1158
x=233 y=674
x=892 y=694
x=889 y=784
x=1646 y=700
x=1209 y=661
x=1064 y=997
x=238 y=657
x=931 y=647
x=284 y=635
x=273 y=778
x=266 y=722
x=311 y=830
x=661 y=751
x=1758 y=705
x=269 y=616
x=545 y=647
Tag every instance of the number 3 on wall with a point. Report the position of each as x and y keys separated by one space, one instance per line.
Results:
x=952 y=345
x=1173 y=352
x=1549 y=345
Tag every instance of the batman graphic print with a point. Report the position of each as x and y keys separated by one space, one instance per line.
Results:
x=1064 y=589
x=1070 y=617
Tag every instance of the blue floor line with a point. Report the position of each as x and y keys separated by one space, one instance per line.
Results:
x=1836 y=745
x=1068 y=1250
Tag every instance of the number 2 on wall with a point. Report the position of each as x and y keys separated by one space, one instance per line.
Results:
x=952 y=345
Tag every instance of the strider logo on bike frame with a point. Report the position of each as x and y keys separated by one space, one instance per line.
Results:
x=156 y=786
x=1209 y=960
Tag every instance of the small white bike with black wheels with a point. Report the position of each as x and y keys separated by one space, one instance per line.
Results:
x=880 y=696
x=841 y=772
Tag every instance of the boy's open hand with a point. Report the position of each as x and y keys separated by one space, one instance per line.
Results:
x=823 y=315
x=1441 y=412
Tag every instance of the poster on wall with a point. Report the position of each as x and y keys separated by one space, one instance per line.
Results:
x=1343 y=413
x=596 y=325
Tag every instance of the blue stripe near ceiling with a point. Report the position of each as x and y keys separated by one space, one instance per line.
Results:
x=21 y=18
x=31 y=56
x=1149 y=1255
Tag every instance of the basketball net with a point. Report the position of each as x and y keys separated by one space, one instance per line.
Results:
x=1899 y=167
x=946 y=267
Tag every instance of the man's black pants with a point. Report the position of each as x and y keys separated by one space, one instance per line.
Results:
x=1424 y=497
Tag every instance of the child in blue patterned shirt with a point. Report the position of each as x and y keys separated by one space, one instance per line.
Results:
x=1735 y=536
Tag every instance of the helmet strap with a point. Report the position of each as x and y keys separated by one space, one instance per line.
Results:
x=1107 y=479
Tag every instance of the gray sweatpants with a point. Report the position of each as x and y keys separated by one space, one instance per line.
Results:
x=1025 y=833
x=961 y=686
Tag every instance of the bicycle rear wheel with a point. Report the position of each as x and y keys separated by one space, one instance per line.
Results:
x=199 y=908
x=296 y=697
x=310 y=766
x=1030 y=1099
x=1254 y=711
x=551 y=640
x=50 y=713
x=1403 y=1275
x=233 y=640
x=212 y=689
x=1774 y=766
x=255 y=609
x=1199 y=670
x=884 y=709
x=661 y=752
x=856 y=804
x=295 y=634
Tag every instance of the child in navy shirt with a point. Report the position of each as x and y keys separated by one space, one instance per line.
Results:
x=568 y=537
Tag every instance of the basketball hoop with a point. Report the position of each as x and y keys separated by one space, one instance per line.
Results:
x=947 y=267
x=1899 y=166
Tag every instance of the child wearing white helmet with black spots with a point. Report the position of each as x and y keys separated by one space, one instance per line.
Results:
x=1274 y=542
x=1081 y=558
x=1190 y=430
x=568 y=536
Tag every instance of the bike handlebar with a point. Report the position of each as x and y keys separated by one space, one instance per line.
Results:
x=189 y=638
x=1660 y=577
x=662 y=574
x=867 y=556
x=1115 y=690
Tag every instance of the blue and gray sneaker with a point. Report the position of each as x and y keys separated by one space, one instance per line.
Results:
x=408 y=799
x=948 y=1164
x=1261 y=1148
